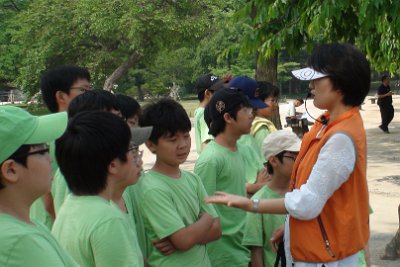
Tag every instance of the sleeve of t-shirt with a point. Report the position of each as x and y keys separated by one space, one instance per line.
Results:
x=159 y=209
x=204 y=135
x=111 y=245
x=253 y=234
x=34 y=250
x=204 y=207
x=207 y=171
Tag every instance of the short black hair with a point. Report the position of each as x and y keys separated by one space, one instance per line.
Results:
x=167 y=118
x=279 y=156
x=384 y=77
x=300 y=100
x=128 y=106
x=101 y=100
x=91 y=141
x=60 y=78
x=266 y=89
x=347 y=68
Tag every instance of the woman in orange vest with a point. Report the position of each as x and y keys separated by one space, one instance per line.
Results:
x=327 y=207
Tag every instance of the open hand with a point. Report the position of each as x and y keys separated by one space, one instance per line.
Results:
x=230 y=200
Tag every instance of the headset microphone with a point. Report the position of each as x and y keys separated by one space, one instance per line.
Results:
x=323 y=119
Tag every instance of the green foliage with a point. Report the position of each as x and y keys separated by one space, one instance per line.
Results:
x=372 y=25
x=97 y=34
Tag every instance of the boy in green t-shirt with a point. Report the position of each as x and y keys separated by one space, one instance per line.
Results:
x=58 y=87
x=99 y=158
x=280 y=150
x=25 y=175
x=205 y=87
x=171 y=199
x=100 y=100
x=221 y=167
x=262 y=126
x=256 y=175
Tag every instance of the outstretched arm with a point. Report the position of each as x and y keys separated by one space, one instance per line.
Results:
x=276 y=206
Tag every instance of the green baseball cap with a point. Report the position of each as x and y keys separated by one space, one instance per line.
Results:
x=18 y=127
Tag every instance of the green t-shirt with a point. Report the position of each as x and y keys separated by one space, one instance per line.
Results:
x=168 y=205
x=200 y=129
x=261 y=128
x=131 y=201
x=59 y=190
x=221 y=169
x=260 y=227
x=38 y=213
x=25 y=244
x=96 y=233
x=252 y=157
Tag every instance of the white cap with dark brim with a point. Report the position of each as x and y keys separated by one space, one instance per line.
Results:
x=140 y=134
x=308 y=74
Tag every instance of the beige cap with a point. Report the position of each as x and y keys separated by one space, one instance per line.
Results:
x=282 y=140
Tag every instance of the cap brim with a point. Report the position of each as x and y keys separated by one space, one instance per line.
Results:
x=140 y=134
x=257 y=103
x=295 y=147
x=308 y=74
x=49 y=128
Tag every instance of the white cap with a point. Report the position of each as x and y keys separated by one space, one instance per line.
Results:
x=279 y=141
x=308 y=74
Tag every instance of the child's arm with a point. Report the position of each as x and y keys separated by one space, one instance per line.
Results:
x=257 y=258
x=213 y=233
x=185 y=238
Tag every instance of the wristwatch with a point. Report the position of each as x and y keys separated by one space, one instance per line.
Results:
x=256 y=203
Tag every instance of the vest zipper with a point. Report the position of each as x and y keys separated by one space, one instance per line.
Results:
x=325 y=237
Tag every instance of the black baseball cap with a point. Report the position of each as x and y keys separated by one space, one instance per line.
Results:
x=206 y=82
x=223 y=101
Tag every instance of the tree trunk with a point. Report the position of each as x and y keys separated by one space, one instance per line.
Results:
x=121 y=70
x=267 y=70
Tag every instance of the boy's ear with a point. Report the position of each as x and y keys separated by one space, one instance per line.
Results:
x=228 y=118
x=273 y=161
x=9 y=172
x=207 y=94
x=62 y=98
x=113 y=167
x=151 y=146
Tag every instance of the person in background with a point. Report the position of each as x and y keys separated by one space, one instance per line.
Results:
x=205 y=87
x=384 y=95
x=58 y=87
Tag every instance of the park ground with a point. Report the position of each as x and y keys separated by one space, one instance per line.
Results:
x=383 y=172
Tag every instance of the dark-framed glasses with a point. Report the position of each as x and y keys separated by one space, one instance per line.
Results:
x=44 y=150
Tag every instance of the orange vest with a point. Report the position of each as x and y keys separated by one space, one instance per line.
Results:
x=342 y=228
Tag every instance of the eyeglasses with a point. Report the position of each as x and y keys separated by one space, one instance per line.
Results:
x=43 y=151
x=82 y=89
x=137 y=154
x=292 y=157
